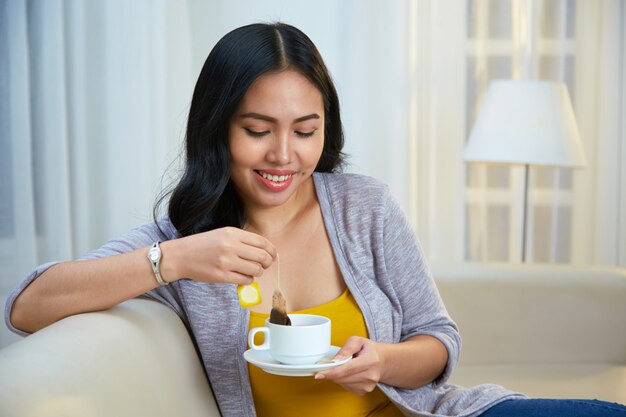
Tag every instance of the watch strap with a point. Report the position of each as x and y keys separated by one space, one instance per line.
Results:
x=156 y=263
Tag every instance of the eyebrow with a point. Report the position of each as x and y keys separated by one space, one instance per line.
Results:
x=274 y=120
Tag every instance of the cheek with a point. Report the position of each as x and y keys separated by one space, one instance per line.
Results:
x=239 y=165
x=319 y=151
x=313 y=157
x=241 y=153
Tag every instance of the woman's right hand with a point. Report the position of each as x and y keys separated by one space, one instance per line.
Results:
x=226 y=255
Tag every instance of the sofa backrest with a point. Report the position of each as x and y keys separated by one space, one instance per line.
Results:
x=540 y=314
x=136 y=359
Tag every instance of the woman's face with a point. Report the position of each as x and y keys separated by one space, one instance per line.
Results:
x=276 y=138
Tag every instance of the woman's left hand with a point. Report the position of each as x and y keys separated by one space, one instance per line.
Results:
x=361 y=374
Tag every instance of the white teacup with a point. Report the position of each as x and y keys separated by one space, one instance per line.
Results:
x=305 y=342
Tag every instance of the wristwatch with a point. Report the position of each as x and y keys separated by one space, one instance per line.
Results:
x=154 y=256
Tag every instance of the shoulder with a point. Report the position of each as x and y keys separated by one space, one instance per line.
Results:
x=352 y=203
x=160 y=230
x=351 y=189
x=165 y=227
x=136 y=238
x=348 y=180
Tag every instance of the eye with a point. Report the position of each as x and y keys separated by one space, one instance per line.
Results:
x=256 y=134
x=305 y=134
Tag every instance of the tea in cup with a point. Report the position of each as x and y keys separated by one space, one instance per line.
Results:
x=305 y=342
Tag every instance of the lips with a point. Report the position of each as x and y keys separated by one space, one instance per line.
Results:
x=275 y=180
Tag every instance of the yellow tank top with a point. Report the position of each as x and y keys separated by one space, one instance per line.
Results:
x=278 y=396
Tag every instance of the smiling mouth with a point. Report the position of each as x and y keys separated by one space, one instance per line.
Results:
x=275 y=178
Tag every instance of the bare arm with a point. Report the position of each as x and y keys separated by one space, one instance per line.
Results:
x=227 y=255
x=77 y=287
x=413 y=363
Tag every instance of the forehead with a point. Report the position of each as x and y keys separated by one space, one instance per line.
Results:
x=282 y=92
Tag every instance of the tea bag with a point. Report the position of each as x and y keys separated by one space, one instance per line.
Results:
x=278 y=315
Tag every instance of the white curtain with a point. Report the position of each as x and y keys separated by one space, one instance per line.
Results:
x=601 y=110
x=94 y=95
x=93 y=99
x=473 y=212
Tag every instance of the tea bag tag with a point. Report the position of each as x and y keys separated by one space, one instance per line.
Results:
x=249 y=295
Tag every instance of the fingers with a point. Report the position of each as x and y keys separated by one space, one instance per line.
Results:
x=255 y=254
x=258 y=241
x=351 y=348
x=231 y=267
x=226 y=255
x=241 y=279
x=260 y=257
x=361 y=374
x=360 y=363
x=357 y=380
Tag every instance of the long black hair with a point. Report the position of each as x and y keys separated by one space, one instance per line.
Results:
x=204 y=198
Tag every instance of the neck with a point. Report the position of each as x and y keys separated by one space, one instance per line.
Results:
x=271 y=221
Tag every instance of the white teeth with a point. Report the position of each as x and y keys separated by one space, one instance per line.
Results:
x=275 y=178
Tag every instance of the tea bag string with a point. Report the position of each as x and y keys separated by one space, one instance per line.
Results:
x=277 y=282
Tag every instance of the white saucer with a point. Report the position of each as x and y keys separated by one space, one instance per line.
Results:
x=263 y=360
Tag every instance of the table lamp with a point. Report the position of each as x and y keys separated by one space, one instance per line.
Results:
x=526 y=122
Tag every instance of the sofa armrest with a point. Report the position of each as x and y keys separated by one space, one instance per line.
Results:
x=136 y=359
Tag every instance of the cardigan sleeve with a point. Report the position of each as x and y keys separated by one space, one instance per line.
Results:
x=18 y=290
x=423 y=311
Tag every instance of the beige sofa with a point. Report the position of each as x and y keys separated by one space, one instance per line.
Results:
x=548 y=331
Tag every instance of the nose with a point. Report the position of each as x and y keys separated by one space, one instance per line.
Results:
x=280 y=152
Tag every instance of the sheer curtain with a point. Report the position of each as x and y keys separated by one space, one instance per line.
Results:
x=93 y=97
x=601 y=101
x=94 y=94
x=472 y=212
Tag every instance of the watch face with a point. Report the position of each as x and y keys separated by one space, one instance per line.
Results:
x=154 y=254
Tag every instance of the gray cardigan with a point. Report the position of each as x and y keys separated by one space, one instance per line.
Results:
x=382 y=265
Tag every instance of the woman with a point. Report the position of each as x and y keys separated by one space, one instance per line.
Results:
x=264 y=139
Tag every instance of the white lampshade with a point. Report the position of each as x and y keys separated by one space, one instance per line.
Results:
x=526 y=122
